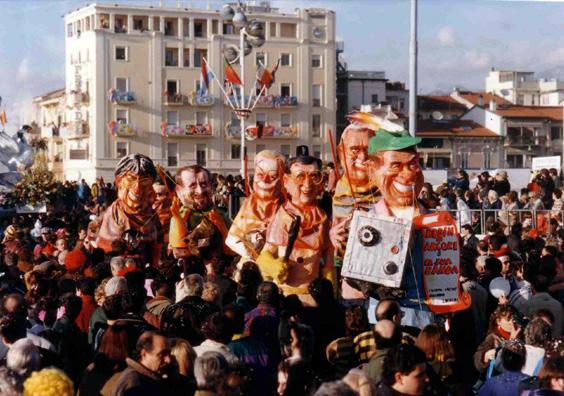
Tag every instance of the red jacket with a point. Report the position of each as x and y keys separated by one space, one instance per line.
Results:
x=88 y=308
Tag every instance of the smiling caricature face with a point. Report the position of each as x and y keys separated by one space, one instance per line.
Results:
x=304 y=183
x=353 y=151
x=136 y=192
x=398 y=176
x=267 y=182
x=195 y=191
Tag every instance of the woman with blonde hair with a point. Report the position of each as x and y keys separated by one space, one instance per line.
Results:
x=184 y=357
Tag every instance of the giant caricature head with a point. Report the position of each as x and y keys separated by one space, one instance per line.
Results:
x=194 y=187
x=353 y=152
x=303 y=178
x=395 y=167
x=269 y=170
x=162 y=185
x=135 y=174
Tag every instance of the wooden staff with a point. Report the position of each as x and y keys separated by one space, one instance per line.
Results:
x=334 y=154
x=246 y=174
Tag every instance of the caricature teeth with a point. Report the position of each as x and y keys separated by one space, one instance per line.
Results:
x=403 y=188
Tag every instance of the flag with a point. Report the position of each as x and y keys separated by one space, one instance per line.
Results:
x=3 y=118
x=266 y=78
x=231 y=75
x=205 y=76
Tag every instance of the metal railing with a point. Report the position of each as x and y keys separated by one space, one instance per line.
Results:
x=477 y=218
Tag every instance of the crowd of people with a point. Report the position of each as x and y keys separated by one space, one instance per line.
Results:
x=78 y=320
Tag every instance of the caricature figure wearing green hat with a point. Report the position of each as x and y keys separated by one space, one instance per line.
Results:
x=396 y=172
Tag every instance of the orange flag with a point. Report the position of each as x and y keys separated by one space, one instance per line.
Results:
x=3 y=119
x=231 y=74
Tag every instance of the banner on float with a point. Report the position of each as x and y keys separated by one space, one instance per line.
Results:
x=441 y=263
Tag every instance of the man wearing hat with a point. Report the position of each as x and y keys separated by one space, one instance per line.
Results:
x=132 y=210
x=396 y=172
x=10 y=242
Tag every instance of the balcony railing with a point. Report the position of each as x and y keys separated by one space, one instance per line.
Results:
x=268 y=101
x=518 y=141
x=75 y=130
x=175 y=99
x=121 y=97
x=187 y=130
x=276 y=101
x=269 y=131
x=76 y=98
x=201 y=100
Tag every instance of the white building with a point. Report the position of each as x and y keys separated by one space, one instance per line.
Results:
x=132 y=73
x=521 y=88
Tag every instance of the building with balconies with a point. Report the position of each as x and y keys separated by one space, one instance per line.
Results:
x=521 y=88
x=51 y=112
x=133 y=77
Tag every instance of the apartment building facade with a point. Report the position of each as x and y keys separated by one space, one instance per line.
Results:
x=521 y=88
x=133 y=74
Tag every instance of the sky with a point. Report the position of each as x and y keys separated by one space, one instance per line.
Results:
x=459 y=41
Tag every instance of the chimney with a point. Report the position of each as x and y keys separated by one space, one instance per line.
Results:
x=481 y=100
x=493 y=105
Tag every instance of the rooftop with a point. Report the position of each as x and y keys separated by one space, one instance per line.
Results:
x=474 y=98
x=50 y=95
x=553 y=113
x=453 y=128
x=441 y=102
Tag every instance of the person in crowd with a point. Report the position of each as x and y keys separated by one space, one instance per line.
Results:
x=387 y=334
x=404 y=372
x=513 y=357
x=143 y=375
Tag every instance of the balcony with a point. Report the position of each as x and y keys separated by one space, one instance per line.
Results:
x=121 y=129
x=269 y=131
x=75 y=98
x=75 y=130
x=520 y=141
x=175 y=99
x=277 y=101
x=121 y=97
x=203 y=130
x=201 y=100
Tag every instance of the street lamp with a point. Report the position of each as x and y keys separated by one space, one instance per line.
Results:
x=251 y=34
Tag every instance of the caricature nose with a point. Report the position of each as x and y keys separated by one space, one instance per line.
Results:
x=362 y=155
x=307 y=182
x=199 y=189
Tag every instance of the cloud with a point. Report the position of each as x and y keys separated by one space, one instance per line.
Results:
x=556 y=57
x=22 y=74
x=478 y=59
x=446 y=36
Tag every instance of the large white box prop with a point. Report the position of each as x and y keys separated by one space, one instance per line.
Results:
x=377 y=249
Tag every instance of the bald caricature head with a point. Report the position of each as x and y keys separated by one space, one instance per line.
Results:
x=269 y=170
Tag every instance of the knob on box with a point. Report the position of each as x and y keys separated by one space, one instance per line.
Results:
x=377 y=249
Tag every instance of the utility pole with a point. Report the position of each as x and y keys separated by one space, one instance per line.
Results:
x=413 y=71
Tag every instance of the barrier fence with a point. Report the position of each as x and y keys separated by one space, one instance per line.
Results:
x=477 y=218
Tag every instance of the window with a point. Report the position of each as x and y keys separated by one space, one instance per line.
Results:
x=121 y=53
x=316 y=61
x=555 y=133
x=121 y=84
x=285 y=120
x=156 y=24
x=374 y=99
x=288 y=30
x=87 y=24
x=121 y=149
x=201 y=117
x=172 y=154
x=186 y=57
x=199 y=54
x=199 y=28
x=120 y=26
x=259 y=148
x=285 y=60
x=316 y=125
x=432 y=143
x=316 y=93
x=285 y=89
x=285 y=150
x=78 y=154
x=273 y=32
x=215 y=26
x=235 y=151
x=172 y=117
x=69 y=30
x=171 y=57
x=186 y=27
x=317 y=151
x=515 y=161
x=138 y=24
x=260 y=118
x=228 y=28
x=171 y=87
x=201 y=154
x=121 y=116
x=169 y=28
x=260 y=59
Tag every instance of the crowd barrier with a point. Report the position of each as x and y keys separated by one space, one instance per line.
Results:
x=477 y=218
